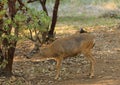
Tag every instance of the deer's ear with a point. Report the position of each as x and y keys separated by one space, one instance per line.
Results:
x=82 y=31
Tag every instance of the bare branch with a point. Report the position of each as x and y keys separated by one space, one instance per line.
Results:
x=3 y=31
x=21 y=3
x=37 y=37
x=31 y=36
x=31 y=1
x=43 y=3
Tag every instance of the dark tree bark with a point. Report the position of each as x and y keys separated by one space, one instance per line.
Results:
x=54 y=18
x=1 y=31
x=30 y=1
x=1 y=19
x=12 y=9
x=9 y=46
x=10 y=55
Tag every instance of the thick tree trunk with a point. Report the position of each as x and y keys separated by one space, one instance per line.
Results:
x=54 y=18
x=1 y=32
x=8 y=69
x=12 y=9
x=9 y=51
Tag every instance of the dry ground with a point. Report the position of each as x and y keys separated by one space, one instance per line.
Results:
x=74 y=70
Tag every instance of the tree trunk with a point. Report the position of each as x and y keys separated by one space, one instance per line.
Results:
x=8 y=69
x=1 y=27
x=12 y=9
x=54 y=19
x=9 y=51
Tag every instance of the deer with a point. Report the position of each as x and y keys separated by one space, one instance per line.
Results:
x=81 y=42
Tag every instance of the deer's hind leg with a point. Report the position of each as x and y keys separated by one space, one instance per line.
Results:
x=89 y=56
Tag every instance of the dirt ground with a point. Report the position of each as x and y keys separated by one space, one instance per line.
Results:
x=74 y=70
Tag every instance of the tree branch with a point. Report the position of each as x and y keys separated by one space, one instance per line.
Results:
x=43 y=3
x=54 y=18
x=37 y=37
x=3 y=31
x=21 y=3
x=31 y=1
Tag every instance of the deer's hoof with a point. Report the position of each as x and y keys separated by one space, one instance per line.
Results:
x=56 y=77
x=91 y=76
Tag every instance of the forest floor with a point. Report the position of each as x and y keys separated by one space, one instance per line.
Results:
x=74 y=70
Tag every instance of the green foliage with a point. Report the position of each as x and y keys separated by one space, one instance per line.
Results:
x=2 y=12
x=45 y=21
x=39 y=20
x=11 y=38
x=19 y=17
x=3 y=64
x=7 y=21
x=4 y=1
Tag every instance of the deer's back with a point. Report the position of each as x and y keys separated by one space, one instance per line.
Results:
x=72 y=45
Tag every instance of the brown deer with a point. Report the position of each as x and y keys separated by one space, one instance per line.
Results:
x=81 y=42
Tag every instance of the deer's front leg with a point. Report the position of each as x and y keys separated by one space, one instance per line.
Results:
x=58 y=65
